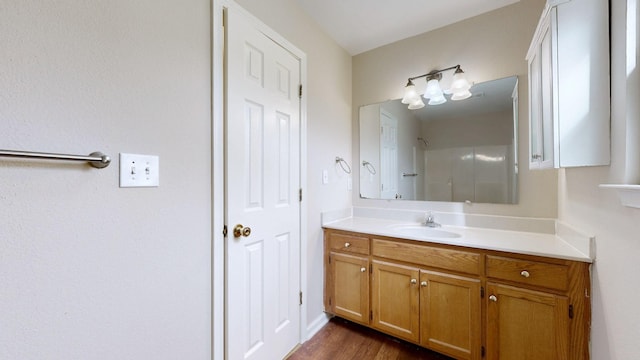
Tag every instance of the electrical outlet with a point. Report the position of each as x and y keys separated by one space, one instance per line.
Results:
x=139 y=170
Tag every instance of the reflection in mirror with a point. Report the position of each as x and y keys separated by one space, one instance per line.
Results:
x=460 y=151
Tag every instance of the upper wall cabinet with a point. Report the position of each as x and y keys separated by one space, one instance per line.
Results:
x=569 y=86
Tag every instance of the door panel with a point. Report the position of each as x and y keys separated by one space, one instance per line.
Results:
x=395 y=298
x=350 y=296
x=450 y=314
x=262 y=179
x=525 y=324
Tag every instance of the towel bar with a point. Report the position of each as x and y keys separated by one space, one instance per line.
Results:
x=95 y=159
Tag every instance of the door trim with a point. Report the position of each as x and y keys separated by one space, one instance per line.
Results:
x=218 y=145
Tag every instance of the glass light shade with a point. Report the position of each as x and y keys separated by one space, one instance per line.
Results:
x=415 y=105
x=461 y=95
x=460 y=82
x=433 y=89
x=410 y=94
x=437 y=100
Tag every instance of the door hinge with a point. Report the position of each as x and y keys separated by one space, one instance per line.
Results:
x=482 y=292
x=300 y=91
x=570 y=311
x=224 y=231
x=482 y=351
x=300 y=194
x=370 y=268
x=300 y=297
x=329 y=259
x=329 y=301
x=371 y=315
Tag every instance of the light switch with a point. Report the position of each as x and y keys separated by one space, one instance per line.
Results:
x=139 y=170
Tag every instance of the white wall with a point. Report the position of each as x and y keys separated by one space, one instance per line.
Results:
x=329 y=126
x=616 y=315
x=489 y=46
x=89 y=270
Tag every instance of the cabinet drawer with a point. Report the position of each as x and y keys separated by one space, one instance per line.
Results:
x=553 y=276
x=455 y=260
x=349 y=243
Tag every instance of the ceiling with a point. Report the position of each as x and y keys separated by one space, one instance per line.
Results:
x=362 y=25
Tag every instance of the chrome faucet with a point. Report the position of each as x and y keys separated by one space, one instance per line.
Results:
x=430 y=220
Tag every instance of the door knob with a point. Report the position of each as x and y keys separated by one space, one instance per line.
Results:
x=240 y=230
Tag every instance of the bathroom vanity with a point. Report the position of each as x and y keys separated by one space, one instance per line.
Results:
x=465 y=292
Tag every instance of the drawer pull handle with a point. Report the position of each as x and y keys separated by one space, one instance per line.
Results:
x=493 y=298
x=414 y=281
x=363 y=269
x=525 y=273
x=347 y=245
x=423 y=284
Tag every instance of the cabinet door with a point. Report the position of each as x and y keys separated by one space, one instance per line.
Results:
x=395 y=300
x=535 y=110
x=450 y=311
x=526 y=325
x=548 y=98
x=349 y=287
x=542 y=99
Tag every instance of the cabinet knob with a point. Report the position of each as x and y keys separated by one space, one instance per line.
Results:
x=423 y=284
x=363 y=269
x=347 y=245
x=493 y=298
x=525 y=273
x=414 y=281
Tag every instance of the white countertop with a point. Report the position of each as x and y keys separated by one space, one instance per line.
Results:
x=529 y=243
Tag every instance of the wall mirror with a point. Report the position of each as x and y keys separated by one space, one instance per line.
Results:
x=459 y=151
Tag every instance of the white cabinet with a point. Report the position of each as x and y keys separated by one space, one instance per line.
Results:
x=569 y=86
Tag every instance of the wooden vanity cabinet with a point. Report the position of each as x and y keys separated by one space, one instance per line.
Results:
x=537 y=308
x=466 y=303
x=347 y=277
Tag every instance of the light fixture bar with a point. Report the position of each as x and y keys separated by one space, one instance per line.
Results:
x=459 y=89
x=435 y=72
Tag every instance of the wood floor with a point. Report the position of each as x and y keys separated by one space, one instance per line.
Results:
x=344 y=340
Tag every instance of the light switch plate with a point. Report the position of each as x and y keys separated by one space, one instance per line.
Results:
x=139 y=170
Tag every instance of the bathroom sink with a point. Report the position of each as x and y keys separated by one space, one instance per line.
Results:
x=424 y=231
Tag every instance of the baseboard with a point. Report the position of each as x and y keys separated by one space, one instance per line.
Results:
x=316 y=325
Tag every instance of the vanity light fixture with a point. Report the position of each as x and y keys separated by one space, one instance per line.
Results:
x=434 y=93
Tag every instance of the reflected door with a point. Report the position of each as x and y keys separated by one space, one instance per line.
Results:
x=388 y=156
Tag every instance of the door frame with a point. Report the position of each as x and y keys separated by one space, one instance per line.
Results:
x=218 y=77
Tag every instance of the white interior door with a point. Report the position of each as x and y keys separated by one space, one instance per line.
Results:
x=388 y=156
x=262 y=184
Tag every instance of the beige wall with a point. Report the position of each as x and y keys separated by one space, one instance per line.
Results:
x=329 y=126
x=488 y=46
x=616 y=314
x=89 y=270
